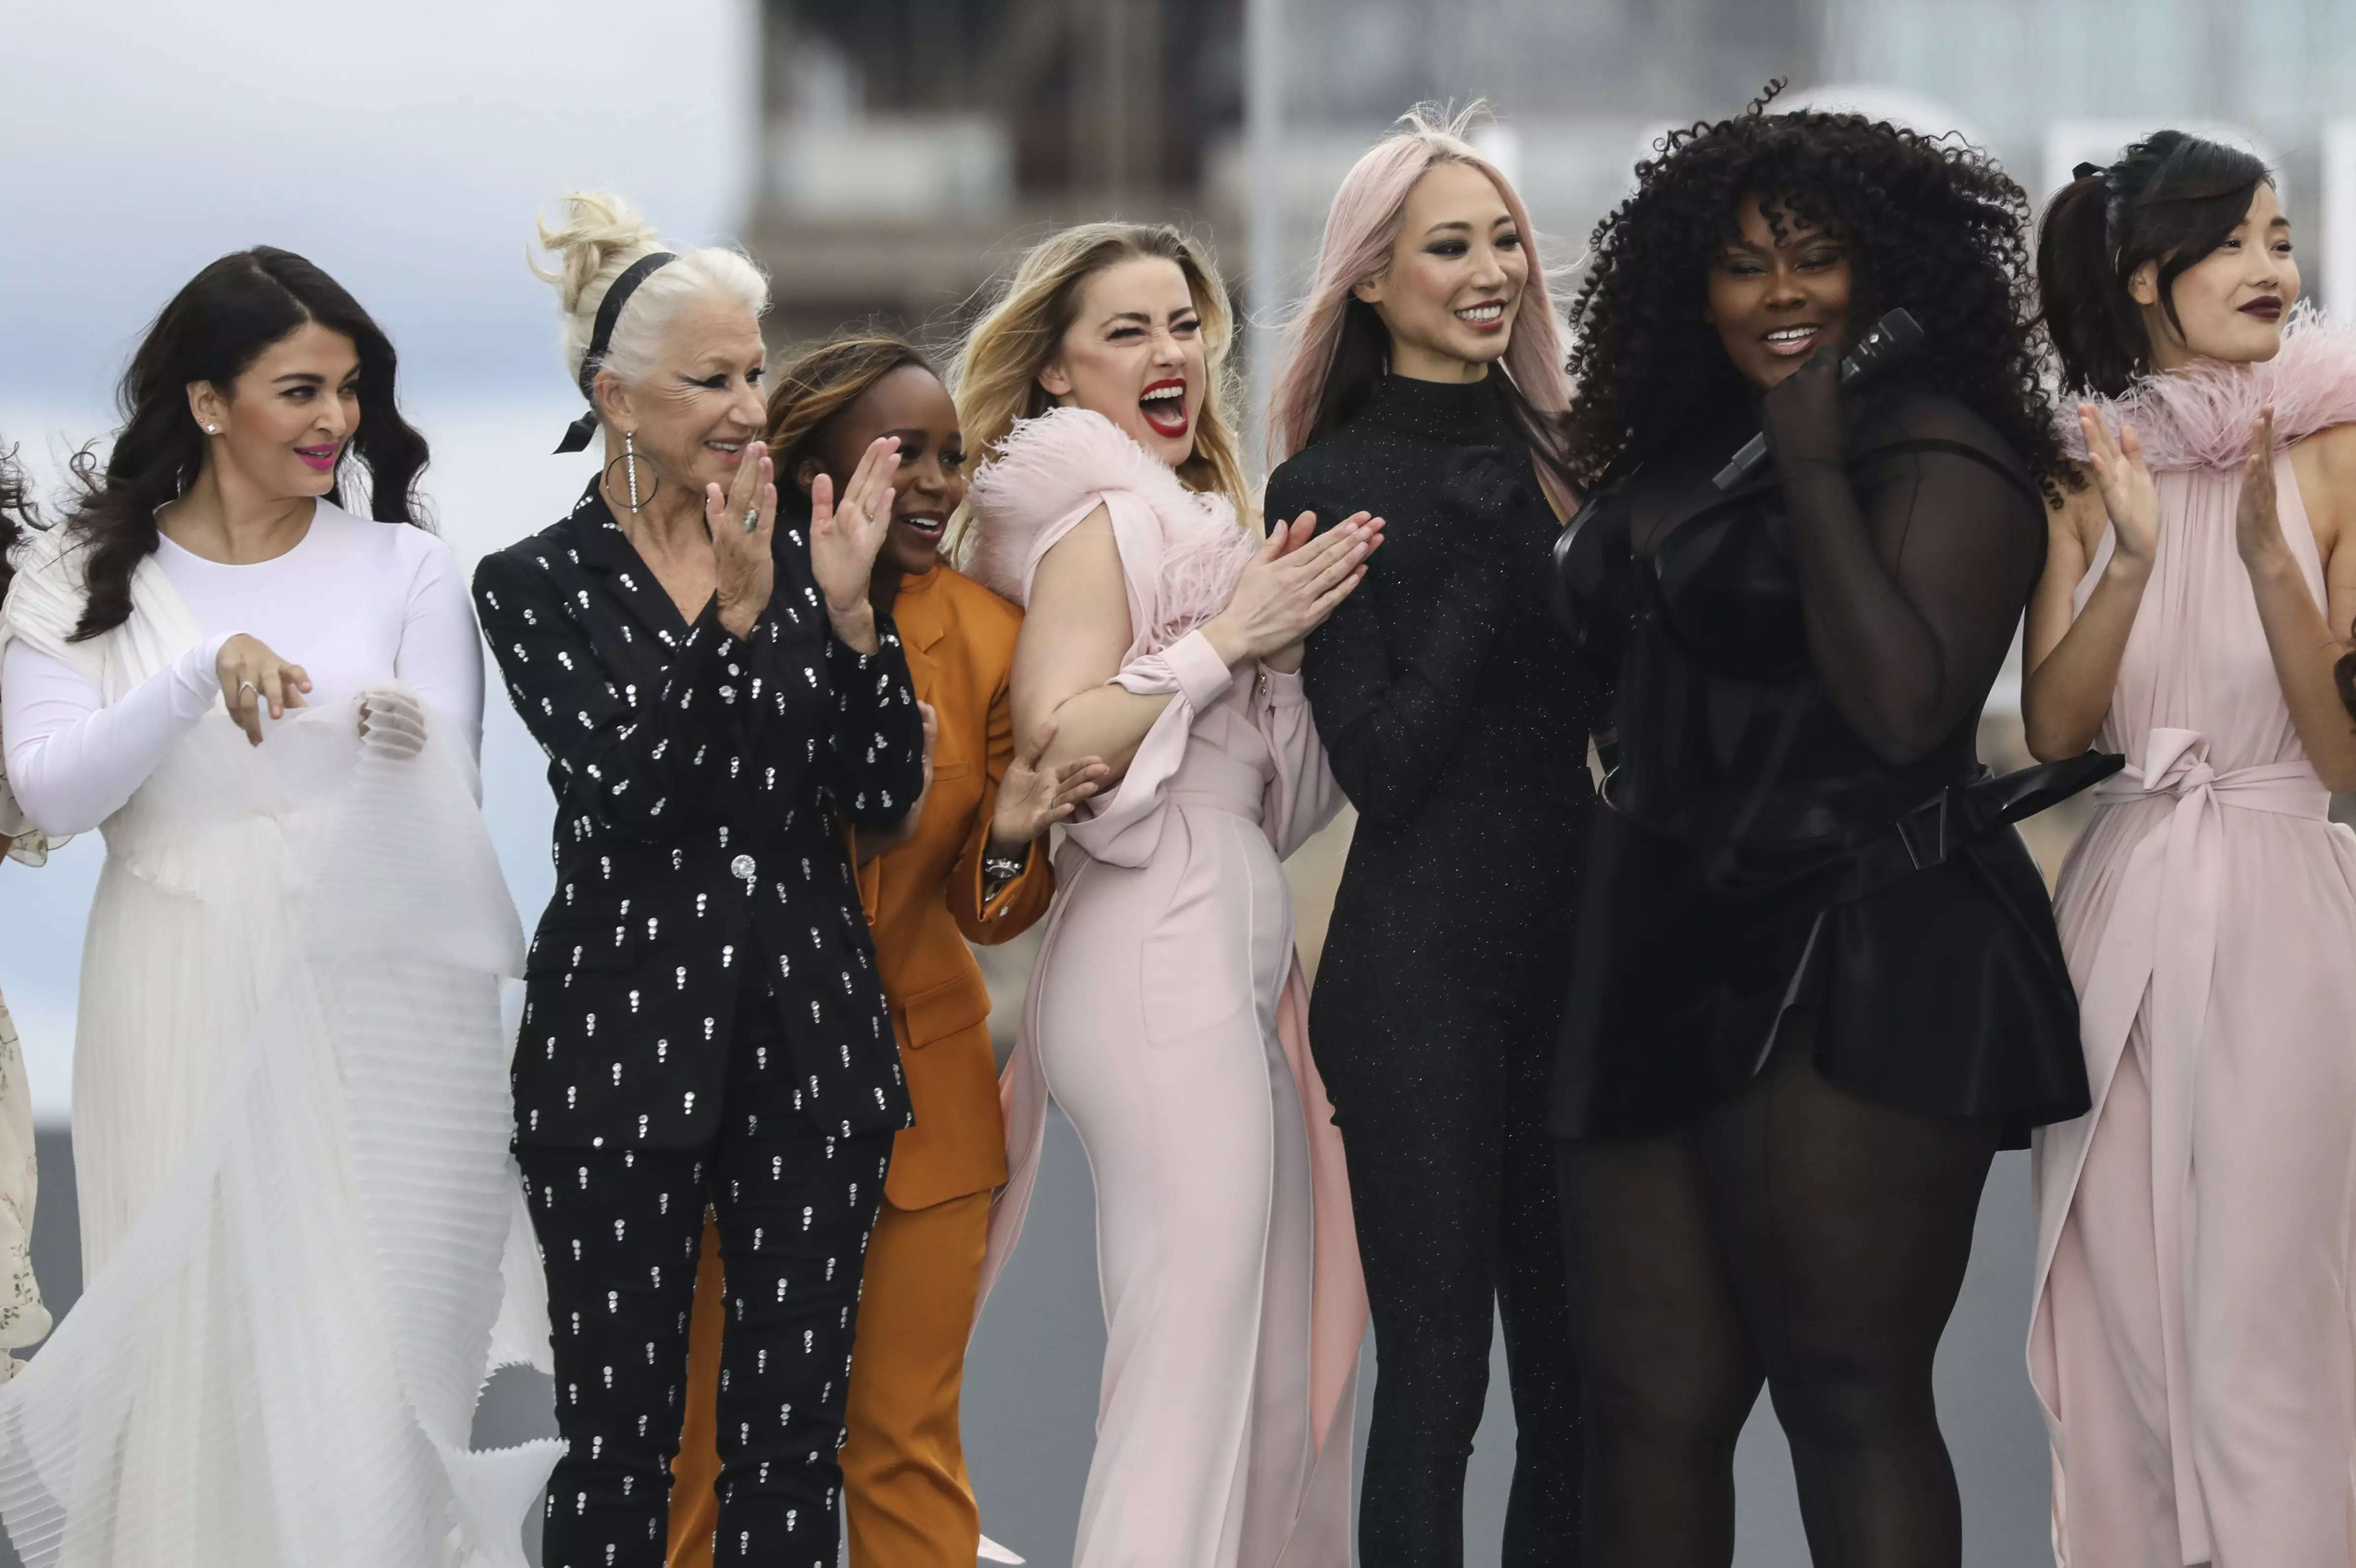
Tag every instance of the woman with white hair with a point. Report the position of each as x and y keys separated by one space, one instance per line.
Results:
x=1424 y=382
x=703 y=1025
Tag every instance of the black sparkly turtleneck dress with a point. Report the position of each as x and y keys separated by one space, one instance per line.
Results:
x=1456 y=719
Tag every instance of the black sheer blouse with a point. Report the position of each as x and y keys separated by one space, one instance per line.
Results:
x=1798 y=815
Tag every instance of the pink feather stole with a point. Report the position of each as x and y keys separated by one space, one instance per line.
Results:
x=1052 y=471
x=2202 y=416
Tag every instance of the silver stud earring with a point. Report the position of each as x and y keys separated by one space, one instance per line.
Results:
x=630 y=466
x=212 y=430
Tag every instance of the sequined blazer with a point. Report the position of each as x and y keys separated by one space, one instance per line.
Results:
x=698 y=780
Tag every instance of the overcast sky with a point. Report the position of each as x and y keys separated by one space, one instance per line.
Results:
x=403 y=147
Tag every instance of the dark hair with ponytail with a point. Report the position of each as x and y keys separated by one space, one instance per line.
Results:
x=2171 y=199
x=17 y=515
x=213 y=330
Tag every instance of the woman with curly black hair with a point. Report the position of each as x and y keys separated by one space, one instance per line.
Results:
x=1815 y=984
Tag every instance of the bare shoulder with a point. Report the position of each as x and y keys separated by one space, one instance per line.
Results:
x=2325 y=465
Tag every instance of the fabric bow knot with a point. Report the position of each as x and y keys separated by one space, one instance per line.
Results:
x=2175 y=762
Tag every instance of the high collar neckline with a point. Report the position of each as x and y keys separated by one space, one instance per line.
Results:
x=1448 y=414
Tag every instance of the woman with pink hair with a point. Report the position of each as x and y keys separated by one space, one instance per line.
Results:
x=1422 y=382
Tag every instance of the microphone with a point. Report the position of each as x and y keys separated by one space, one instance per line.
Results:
x=1891 y=342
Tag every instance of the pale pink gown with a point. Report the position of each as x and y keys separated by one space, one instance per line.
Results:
x=1167 y=1016
x=2191 y=1343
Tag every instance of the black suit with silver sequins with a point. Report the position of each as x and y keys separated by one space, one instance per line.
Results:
x=702 y=1019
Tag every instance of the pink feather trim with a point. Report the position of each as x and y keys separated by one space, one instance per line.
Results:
x=1052 y=471
x=2202 y=416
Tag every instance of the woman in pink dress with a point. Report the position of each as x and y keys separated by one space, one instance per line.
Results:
x=2191 y=1341
x=1166 y=1013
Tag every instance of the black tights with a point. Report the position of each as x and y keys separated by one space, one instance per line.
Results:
x=1798 y=1236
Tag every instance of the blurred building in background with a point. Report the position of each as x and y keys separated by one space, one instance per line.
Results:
x=913 y=147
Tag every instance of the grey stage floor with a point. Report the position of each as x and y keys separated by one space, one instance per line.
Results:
x=1031 y=1400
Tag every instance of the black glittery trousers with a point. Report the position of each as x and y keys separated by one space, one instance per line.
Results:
x=1443 y=1107
x=618 y=1231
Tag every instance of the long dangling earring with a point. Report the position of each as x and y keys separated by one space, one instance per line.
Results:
x=630 y=466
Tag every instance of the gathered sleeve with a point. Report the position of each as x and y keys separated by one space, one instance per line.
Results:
x=987 y=918
x=1392 y=674
x=1304 y=796
x=652 y=757
x=1123 y=826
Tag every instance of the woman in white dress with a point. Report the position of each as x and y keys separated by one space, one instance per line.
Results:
x=290 y=1109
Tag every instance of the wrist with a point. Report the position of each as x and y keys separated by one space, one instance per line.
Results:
x=855 y=624
x=2127 y=566
x=738 y=620
x=1227 y=640
x=999 y=846
x=2270 y=561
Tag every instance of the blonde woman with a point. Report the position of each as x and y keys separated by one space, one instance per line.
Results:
x=1166 y=1015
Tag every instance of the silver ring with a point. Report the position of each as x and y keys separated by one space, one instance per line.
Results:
x=752 y=517
x=248 y=686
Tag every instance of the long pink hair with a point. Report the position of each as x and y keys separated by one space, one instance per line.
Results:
x=1361 y=228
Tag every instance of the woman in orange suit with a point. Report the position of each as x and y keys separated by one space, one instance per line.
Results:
x=966 y=865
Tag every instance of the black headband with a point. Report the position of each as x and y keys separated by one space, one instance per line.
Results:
x=609 y=310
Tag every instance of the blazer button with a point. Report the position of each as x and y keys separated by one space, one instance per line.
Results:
x=743 y=868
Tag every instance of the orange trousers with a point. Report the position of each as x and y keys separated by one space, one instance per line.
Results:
x=906 y=1495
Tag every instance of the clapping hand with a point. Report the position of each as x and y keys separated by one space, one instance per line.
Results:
x=1031 y=799
x=2128 y=493
x=2257 y=526
x=741 y=523
x=1297 y=580
x=845 y=536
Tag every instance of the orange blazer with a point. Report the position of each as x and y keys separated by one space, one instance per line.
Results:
x=923 y=897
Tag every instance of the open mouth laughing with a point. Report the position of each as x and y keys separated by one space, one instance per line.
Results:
x=1163 y=404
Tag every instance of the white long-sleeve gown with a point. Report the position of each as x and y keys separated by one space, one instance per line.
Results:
x=290 y=1102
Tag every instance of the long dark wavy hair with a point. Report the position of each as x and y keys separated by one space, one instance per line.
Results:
x=2171 y=199
x=16 y=514
x=213 y=330
x=1932 y=225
